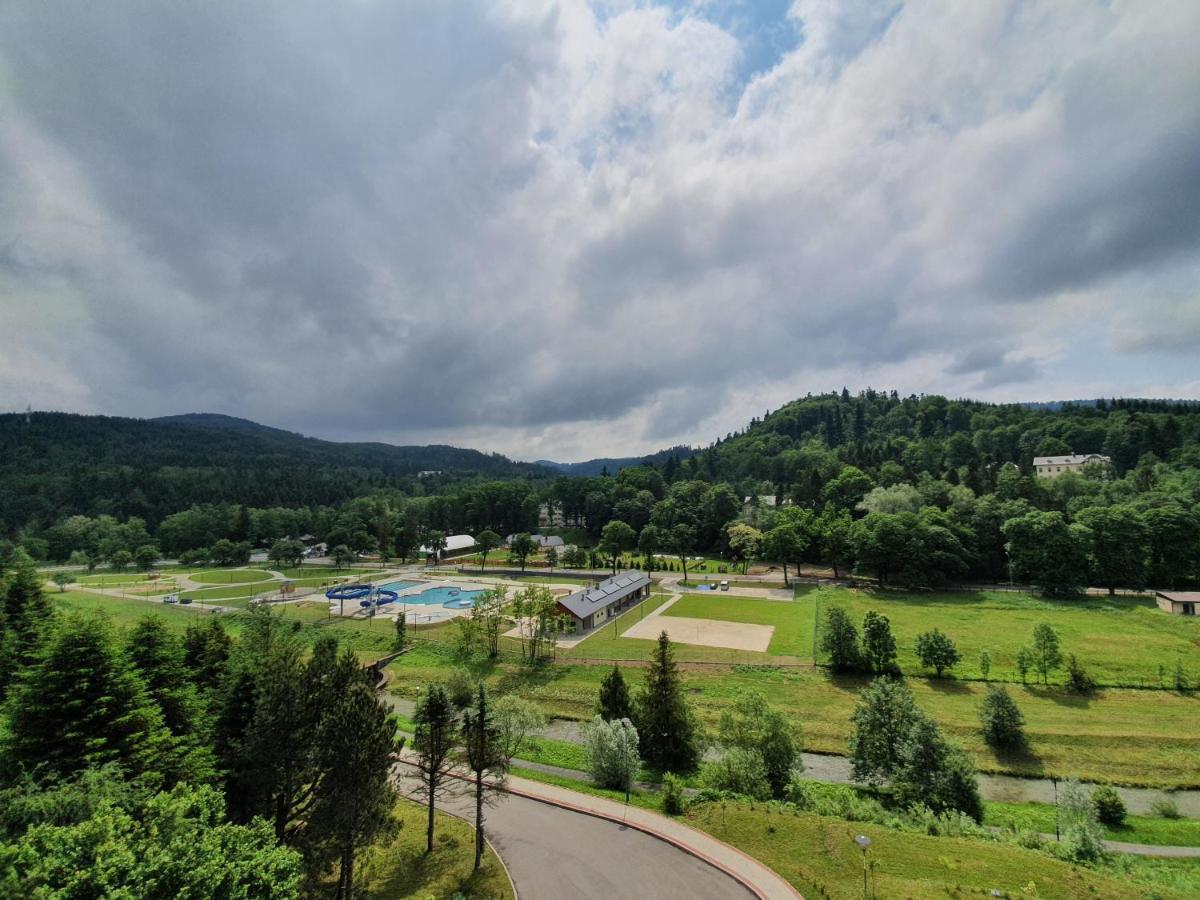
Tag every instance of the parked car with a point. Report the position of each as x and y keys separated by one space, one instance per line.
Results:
x=185 y=600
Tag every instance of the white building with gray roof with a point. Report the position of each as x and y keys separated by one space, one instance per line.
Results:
x=590 y=607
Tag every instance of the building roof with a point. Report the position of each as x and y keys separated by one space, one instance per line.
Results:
x=1179 y=596
x=455 y=542
x=545 y=541
x=1073 y=459
x=583 y=603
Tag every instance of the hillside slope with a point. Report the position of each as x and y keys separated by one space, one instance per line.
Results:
x=58 y=463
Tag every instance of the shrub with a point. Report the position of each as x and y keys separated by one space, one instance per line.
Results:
x=741 y=772
x=612 y=749
x=673 y=802
x=1165 y=808
x=1110 y=809
x=1000 y=719
x=460 y=687
x=1078 y=679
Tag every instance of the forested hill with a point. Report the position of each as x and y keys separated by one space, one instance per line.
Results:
x=56 y=464
x=797 y=448
x=614 y=464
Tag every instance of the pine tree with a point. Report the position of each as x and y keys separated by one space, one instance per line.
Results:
x=82 y=704
x=434 y=738
x=158 y=656
x=206 y=650
x=485 y=757
x=614 y=697
x=24 y=616
x=352 y=805
x=666 y=726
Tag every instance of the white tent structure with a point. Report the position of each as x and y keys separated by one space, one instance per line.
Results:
x=455 y=542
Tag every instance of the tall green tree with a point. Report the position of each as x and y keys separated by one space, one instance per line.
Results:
x=669 y=734
x=878 y=644
x=1045 y=652
x=435 y=738
x=485 y=542
x=522 y=547
x=615 y=538
x=1048 y=551
x=839 y=641
x=80 y=704
x=614 y=697
x=881 y=722
x=24 y=616
x=745 y=541
x=682 y=540
x=1119 y=546
x=158 y=656
x=483 y=746
x=354 y=799
x=934 y=774
x=754 y=726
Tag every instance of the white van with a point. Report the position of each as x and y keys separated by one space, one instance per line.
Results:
x=724 y=585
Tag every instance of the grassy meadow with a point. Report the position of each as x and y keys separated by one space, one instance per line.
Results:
x=1120 y=641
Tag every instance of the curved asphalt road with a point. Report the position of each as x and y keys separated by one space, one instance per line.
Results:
x=557 y=854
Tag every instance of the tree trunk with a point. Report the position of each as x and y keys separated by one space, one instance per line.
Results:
x=429 y=824
x=785 y=578
x=835 y=568
x=683 y=556
x=478 y=818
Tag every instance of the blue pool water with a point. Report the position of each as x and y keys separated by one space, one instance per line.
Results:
x=434 y=596
x=706 y=587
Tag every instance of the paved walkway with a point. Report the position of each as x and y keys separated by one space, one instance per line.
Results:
x=602 y=849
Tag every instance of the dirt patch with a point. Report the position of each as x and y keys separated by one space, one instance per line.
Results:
x=705 y=632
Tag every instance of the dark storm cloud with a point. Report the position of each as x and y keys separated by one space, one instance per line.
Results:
x=515 y=223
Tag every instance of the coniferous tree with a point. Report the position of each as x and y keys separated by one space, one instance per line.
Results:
x=81 y=703
x=484 y=753
x=434 y=738
x=206 y=650
x=353 y=801
x=667 y=728
x=614 y=697
x=158 y=656
x=24 y=616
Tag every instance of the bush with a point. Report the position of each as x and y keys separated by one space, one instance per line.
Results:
x=1165 y=808
x=1078 y=679
x=460 y=687
x=1001 y=720
x=739 y=771
x=673 y=803
x=798 y=794
x=1110 y=809
x=612 y=749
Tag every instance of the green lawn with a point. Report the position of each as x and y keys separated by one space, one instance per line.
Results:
x=819 y=857
x=1122 y=736
x=1137 y=829
x=230 y=576
x=125 y=611
x=1119 y=641
x=123 y=579
x=400 y=869
x=793 y=621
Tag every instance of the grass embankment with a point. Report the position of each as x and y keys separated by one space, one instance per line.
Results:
x=819 y=857
x=399 y=869
x=1120 y=641
x=1136 y=830
x=1121 y=736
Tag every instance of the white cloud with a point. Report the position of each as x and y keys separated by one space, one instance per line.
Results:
x=558 y=230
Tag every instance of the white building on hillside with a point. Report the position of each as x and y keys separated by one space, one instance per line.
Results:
x=1053 y=466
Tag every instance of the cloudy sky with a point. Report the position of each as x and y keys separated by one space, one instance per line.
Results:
x=568 y=230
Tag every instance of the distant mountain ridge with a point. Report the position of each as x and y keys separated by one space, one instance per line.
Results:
x=613 y=464
x=56 y=463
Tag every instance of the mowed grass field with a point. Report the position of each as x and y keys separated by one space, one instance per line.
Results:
x=230 y=576
x=1119 y=641
x=1134 y=737
x=791 y=642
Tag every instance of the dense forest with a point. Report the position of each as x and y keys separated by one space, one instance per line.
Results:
x=913 y=490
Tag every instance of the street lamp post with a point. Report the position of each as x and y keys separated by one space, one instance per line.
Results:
x=864 y=844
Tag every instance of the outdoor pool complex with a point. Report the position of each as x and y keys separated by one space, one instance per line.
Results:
x=453 y=597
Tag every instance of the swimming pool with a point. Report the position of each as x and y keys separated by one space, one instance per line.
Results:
x=445 y=595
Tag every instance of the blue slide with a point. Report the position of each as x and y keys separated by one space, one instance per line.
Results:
x=366 y=595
